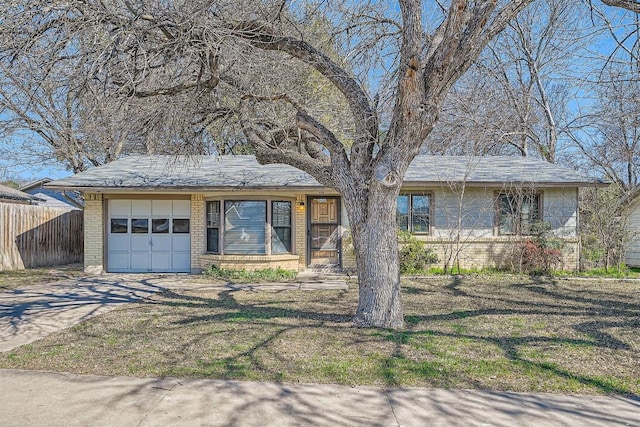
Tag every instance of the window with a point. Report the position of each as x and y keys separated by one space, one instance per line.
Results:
x=244 y=227
x=517 y=212
x=160 y=226
x=213 y=227
x=139 y=226
x=280 y=227
x=241 y=228
x=413 y=213
x=180 y=226
x=119 y=225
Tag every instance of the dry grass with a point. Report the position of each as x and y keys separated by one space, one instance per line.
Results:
x=497 y=333
x=36 y=276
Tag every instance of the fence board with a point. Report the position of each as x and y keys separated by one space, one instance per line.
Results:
x=37 y=236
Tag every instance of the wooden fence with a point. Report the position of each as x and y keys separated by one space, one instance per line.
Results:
x=37 y=236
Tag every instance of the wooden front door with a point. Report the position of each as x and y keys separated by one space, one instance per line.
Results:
x=323 y=232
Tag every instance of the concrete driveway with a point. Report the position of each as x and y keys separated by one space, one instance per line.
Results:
x=31 y=313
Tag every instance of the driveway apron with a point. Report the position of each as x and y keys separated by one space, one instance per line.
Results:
x=32 y=313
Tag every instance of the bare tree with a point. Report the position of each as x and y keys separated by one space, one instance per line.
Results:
x=608 y=133
x=514 y=100
x=243 y=62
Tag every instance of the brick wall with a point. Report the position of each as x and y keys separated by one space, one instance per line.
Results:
x=495 y=252
x=300 y=224
x=198 y=232
x=94 y=233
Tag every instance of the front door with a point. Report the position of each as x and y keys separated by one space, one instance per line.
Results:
x=323 y=232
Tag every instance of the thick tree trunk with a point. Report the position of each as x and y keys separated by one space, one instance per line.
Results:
x=374 y=233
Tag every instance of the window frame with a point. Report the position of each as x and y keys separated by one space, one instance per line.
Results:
x=280 y=226
x=411 y=195
x=520 y=194
x=217 y=227
x=268 y=245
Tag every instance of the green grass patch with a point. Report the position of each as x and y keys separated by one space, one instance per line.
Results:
x=511 y=333
x=247 y=276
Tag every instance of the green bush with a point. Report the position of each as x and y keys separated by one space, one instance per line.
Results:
x=415 y=256
x=244 y=275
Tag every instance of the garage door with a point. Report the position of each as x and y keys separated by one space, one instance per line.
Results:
x=148 y=236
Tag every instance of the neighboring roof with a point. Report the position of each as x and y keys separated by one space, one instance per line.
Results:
x=210 y=172
x=50 y=201
x=35 y=184
x=54 y=198
x=13 y=195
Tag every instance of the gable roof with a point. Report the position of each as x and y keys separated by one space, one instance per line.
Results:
x=224 y=172
x=37 y=184
x=13 y=195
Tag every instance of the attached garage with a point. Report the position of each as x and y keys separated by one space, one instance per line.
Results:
x=148 y=236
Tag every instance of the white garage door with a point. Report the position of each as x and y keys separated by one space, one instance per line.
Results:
x=148 y=236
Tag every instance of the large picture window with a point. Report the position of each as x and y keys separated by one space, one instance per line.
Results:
x=240 y=227
x=517 y=212
x=244 y=227
x=414 y=213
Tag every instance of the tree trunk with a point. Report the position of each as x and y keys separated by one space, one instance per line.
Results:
x=375 y=240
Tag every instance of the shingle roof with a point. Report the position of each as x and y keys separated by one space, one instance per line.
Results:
x=204 y=172
x=8 y=193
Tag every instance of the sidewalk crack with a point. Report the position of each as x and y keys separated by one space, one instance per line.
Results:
x=395 y=417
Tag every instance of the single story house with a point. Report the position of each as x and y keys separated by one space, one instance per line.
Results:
x=183 y=214
x=52 y=198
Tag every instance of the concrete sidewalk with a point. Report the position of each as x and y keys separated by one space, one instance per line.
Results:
x=40 y=398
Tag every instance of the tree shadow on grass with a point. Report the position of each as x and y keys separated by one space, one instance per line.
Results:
x=592 y=317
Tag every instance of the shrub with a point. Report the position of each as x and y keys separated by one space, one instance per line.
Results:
x=415 y=256
x=243 y=275
x=542 y=253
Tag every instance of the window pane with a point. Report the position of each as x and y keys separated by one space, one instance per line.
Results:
x=281 y=214
x=281 y=227
x=119 y=225
x=281 y=240
x=530 y=212
x=213 y=240
x=507 y=208
x=402 y=212
x=244 y=227
x=180 y=226
x=160 y=225
x=140 y=226
x=213 y=214
x=420 y=214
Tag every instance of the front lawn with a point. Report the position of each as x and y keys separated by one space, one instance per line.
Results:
x=495 y=333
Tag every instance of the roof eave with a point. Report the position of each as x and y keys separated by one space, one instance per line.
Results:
x=510 y=184
x=182 y=188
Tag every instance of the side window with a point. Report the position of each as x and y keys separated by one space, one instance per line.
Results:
x=413 y=213
x=213 y=227
x=281 y=227
x=517 y=212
